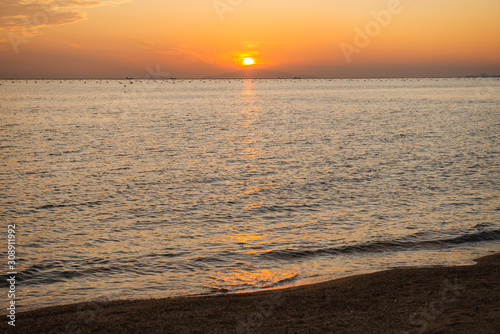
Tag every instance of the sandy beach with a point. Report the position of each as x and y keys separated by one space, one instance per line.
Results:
x=462 y=299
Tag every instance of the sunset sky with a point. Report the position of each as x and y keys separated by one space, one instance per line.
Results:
x=198 y=38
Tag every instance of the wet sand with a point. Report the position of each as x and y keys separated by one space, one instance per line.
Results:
x=463 y=299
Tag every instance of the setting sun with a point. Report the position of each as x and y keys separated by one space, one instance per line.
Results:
x=248 y=61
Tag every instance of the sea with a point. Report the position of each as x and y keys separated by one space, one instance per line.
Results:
x=144 y=188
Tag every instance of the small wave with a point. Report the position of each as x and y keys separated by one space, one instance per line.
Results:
x=54 y=206
x=49 y=272
x=35 y=275
x=384 y=246
x=476 y=237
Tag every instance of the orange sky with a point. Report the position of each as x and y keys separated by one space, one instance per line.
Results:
x=196 y=38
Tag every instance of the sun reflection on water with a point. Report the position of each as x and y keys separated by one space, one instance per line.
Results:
x=246 y=278
x=248 y=140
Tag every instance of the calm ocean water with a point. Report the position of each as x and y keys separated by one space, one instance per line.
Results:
x=148 y=188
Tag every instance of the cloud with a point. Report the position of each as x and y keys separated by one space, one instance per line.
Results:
x=191 y=56
x=72 y=45
x=43 y=20
x=77 y=3
x=20 y=15
x=3 y=44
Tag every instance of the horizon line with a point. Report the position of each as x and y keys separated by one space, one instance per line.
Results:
x=262 y=78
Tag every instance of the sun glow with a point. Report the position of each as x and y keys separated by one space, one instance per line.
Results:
x=248 y=61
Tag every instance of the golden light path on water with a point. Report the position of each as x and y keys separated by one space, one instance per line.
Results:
x=247 y=140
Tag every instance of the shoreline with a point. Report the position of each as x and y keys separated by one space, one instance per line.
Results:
x=456 y=299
